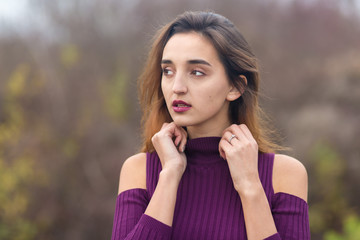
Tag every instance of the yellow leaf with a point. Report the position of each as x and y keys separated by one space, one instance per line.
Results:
x=16 y=83
x=69 y=55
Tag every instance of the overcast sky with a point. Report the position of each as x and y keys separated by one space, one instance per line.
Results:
x=11 y=10
x=15 y=10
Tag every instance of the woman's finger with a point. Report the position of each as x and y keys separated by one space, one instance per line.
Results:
x=183 y=140
x=233 y=130
x=176 y=133
x=224 y=146
x=164 y=125
x=232 y=137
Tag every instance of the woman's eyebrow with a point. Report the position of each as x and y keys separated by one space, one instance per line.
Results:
x=192 y=62
x=199 y=61
x=165 y=61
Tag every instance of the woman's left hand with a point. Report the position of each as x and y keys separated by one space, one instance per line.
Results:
x=239 y=148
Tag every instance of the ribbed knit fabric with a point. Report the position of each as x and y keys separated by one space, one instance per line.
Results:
x=207 y=205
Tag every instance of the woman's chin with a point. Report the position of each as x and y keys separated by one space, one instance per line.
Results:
x=181 y=123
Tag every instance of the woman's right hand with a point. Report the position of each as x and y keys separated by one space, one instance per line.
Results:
x=169 y=144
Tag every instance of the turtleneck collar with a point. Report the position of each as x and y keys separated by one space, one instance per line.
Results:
x=203 y=150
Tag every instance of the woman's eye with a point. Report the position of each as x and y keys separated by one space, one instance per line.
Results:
x=198 y=73
x=167 y=71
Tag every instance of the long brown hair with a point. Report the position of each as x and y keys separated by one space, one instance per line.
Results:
x=236 y=56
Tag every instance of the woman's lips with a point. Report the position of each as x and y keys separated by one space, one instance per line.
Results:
x=180 y=106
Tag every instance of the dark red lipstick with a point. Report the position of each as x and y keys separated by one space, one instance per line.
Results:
x=180 y=106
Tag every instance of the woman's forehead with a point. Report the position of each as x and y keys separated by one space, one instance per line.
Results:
x=190 y=46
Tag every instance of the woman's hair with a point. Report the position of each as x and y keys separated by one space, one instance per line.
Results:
x=237 y=58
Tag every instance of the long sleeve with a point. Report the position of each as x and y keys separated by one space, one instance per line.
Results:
x=130 y=222
x=207 y=204
x=291 y=216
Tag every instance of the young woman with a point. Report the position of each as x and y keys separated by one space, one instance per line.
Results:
x=207 y=170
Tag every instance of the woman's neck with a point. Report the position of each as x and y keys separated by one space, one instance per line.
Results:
x=197 y=132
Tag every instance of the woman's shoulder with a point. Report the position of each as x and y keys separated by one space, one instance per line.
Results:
x=290 y=176
x=133 y=173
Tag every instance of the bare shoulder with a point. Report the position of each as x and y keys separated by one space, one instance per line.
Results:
x=133 y=173
x=290 y=176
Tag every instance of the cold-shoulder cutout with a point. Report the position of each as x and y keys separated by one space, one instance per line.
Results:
x=133 y=173
x=290 y=176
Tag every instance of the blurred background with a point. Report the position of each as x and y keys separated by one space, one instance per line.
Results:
x=69 y=114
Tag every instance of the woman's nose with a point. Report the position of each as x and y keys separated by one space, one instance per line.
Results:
x=179 y=84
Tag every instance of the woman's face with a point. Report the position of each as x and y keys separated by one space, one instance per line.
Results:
x=195 y=85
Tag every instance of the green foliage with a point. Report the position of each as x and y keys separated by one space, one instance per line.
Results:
x=69 y=55
x=14 y=199
x=114 y=95
x=17 y=168
x=17 y=81
x=330 y=205
x=351 y=230
x=70 y=148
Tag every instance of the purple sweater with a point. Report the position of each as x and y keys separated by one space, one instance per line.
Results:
x=207 y=205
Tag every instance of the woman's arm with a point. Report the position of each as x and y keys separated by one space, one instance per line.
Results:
x=160 y=209
x=133 y=174
x=290 y=177
x=173 y=161
x=162 y=204
x=241 y=154
x=289 y=203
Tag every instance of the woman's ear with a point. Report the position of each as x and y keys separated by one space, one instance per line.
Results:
x=234 y=92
